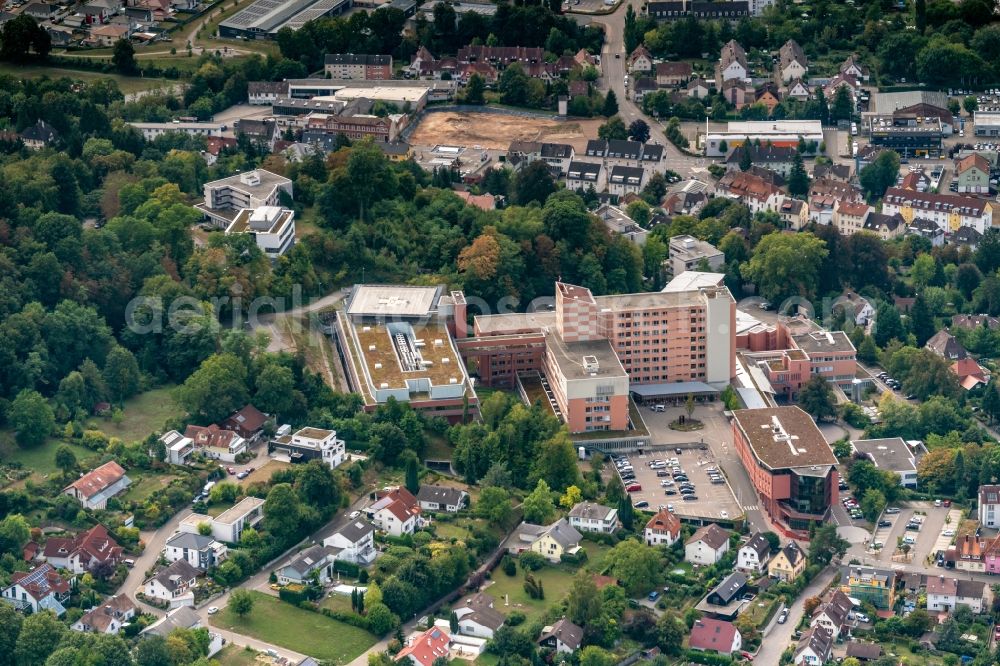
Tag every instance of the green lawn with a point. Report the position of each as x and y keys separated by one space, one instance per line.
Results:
x=127 y=84
x=233 y=655
x=451 y=531
x=144 y=414
x=309 y=633
x=509 y=594
x=144 y=485
x=41 y=459
x=337 y=602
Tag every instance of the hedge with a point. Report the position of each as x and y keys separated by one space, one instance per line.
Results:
x=353 y=619
x=349 y=568
x=293 y=595
x=700 y=657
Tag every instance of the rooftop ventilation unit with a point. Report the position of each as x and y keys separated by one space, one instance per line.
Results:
x=371 y=347
x=590 y=364
x=250 y=178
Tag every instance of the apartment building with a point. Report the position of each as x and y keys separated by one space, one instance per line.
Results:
x=790 y=464
x=950 y=212
x=830 y=354
x=989 y=506
x=357 y=66
x=271 y=227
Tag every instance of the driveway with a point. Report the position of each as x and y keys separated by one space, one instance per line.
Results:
x=780 y=635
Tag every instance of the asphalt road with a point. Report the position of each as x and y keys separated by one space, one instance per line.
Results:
x=780 y=636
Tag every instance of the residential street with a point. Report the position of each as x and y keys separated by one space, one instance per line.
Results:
x=780 y=636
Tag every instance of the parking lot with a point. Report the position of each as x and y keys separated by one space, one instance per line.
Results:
x=927 y=540
x=715 y=501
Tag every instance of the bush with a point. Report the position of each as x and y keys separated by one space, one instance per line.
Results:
x=700 y=657
x=531 y=561
x=293 y=594
x=509 y=567
x=574 y=558
x=349 y=568
x=352 y=619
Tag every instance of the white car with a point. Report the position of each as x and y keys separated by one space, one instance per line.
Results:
x=354 y=514
x=212 y=610
x=948 y=532
x=723 y=514
x=861 y=617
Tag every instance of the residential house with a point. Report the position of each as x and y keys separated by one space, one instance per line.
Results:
x=228 y=526
x=929 y=229
x=841 y=172
x=945 y=594
x=849 y=217
x=732 y=64
x=970 y=374
x=989 y=506
x=754 y=554
x=969 y=553
x=178 y=447
x=563 y=637
x=794 y=213
x=442 y=498
x=108 y=618
x=108 y=35
x=838 y=189
x=949 y=211
x=215 y=442
x=852 y=67
x=626 y=180
x=966 y=236
x=95 y=488
x=711 y=635
x=199 y=550
x=779 y=159
x=477 y=616
x=183 y=617
x=864 y=652
x=892 y=455
x=947 y=346
x=752 y=190
x=874 y=586
x=834 y=615
x=823 y=208
x=707 y=545
x=581 y=176
x=640 y=60
x=481 y=201
x=308 y=444
x=814 y=647
x=839 y=81
x=972 y=322
x=672 y=74
x=356 y=541
x=662 y=529
x=643 y=86
x=697 y=88
x=557 y=155
x=788 y=563
x=83 y=552
x=560 y=538
x=590 y=517
x=797 y=90
x=173 y=585
x=39 y=135
x=737 y=92
x=916 y=180
x=315 y=561
x=684 y=203
x=973 y=172
x=260 y=133
x=792 y=62
x=729 y=590
x=42 y=588
x=248 y=423
x=395 y=511
x=884 y=226
x=769 y=96
x=42 y=11
x=425 y=648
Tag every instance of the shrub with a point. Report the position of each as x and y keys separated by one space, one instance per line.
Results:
x=293 y=594
x=531 y=561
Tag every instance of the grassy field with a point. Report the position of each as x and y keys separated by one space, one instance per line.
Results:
x=263 y=474
x=337 y=602
x=128 y=84
x=144 y=414
x=145 y=485
x=233 y=655
x=41 y=459
x=282 y=624
x=556 y=581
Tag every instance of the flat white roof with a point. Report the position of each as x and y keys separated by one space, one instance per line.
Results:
x=385 y=300
x=775 y=127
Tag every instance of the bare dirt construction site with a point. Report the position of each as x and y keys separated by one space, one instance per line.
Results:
x=495 y=131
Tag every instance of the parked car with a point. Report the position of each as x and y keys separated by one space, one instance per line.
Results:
x=633 y=487
x=231 y=470
x=212 y=610
x=641 y=505
x=354 y=514
x=783 y=616
x=653 y=596
x=690 y=498
x=892 y=509
x=885 y=523
x=242 y=475
x=861 y=617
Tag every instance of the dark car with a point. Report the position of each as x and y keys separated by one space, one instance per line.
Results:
x=641 y=505
x=670 y=491
x=885 y=523
x=678 y=450
x=690 y=498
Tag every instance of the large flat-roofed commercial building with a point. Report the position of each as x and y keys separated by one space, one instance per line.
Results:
x=395 y=342
x=909 y=135
x=264 y=18
x=226 y=197
x=893 y=455
x=272 y=228
x=656 y=346
x=790 y=464
x=987 y=123
x=782 y=133
x=686 y=253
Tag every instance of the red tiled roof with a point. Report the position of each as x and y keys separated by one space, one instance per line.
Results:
x=426 y=647
x=247 y=420
x=974 y=160
x=664 y=521
x=212 y=436
x=94 y=482
x=95 y=542
x=710 y=634
x=41 y=581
